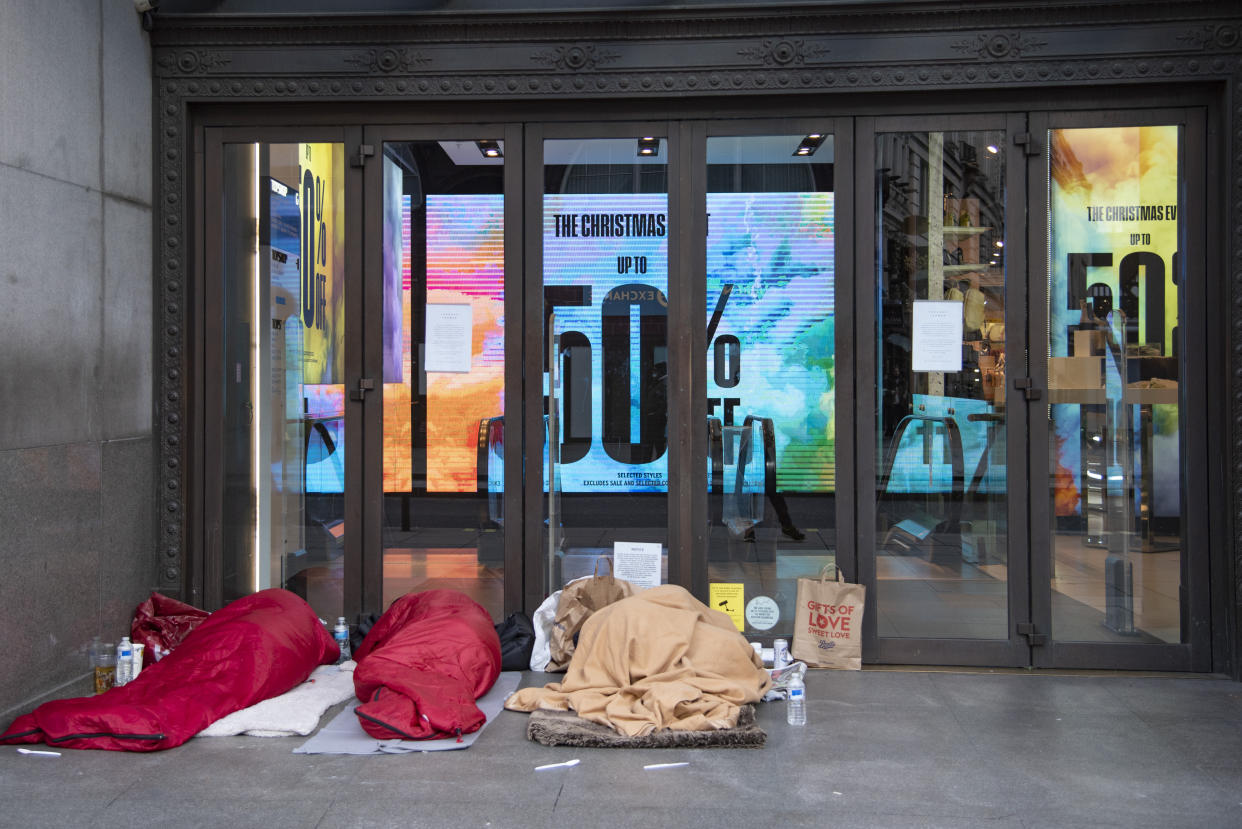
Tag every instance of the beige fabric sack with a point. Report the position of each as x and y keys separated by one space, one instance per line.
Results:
x=578 y=601
x=828 y=623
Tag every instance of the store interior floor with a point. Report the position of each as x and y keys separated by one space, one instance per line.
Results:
x=882 y=748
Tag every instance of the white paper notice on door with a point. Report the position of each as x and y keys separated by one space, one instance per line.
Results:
x=937 y=335
x=637 y=562
x=449 y=334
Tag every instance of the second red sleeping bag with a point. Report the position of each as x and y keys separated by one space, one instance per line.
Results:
x=422 y=666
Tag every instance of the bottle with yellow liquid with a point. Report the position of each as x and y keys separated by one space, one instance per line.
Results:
x=105 y=667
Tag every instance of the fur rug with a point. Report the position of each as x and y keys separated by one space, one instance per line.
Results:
x=565 y=728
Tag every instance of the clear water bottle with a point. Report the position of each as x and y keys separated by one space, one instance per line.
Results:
x=795 y=709
x=124 y=661
x=341 y=634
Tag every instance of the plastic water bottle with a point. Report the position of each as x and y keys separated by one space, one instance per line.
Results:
x=124 y=661
x=341 y=634
x=795 y=709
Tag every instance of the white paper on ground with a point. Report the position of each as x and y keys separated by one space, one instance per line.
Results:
x=344 y=735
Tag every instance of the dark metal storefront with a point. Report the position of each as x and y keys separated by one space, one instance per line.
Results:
x=509 y=231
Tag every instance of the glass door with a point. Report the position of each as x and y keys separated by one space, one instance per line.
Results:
x=282 y=251
x=1118 y=496
x=598 y=426
x=770 y=367
x=941 y=530
x=439 y=304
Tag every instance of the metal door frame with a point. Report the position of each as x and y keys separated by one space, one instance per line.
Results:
x=1194 y=652
x=206 y=576
x=1012 y=651
x=372 y=489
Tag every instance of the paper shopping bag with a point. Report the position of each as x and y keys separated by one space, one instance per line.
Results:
x=828 y=623
x=578 y=601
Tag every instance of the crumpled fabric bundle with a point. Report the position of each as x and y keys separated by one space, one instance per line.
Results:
x=579 y=599
x=659 y=659
x=161 y=623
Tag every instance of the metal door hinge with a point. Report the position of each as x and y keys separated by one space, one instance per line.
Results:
x=365 y=151
x=1033 y=637
x=1027 y=143
x=365 y=385
x=1029 y=389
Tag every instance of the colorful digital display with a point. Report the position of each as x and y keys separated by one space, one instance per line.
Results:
x=770 y=271
x=465 y=265
x=1113 y=227
x=606 y=274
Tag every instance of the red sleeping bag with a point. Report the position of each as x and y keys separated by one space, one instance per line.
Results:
x=257 y=647
x=422 y=666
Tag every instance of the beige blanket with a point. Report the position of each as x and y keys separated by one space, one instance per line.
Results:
x=660 y=659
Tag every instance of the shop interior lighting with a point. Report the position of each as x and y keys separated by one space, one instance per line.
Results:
x=810 y=144
x=490 y=149
x=993 y=149
x=648 y=145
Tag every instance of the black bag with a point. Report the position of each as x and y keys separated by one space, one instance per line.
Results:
x=517 y=642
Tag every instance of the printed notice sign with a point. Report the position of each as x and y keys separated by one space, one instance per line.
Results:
x=637 y=563
x=729 y=599
x=449 y=338
x=762 y=613
x=937 y=336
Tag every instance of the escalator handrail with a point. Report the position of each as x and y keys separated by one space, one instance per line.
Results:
x=955 y=447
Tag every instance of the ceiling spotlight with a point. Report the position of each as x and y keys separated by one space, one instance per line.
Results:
x=490 y=149
x=1000 y=243
x=993 y=149
x=648 y=146
x=810 y=144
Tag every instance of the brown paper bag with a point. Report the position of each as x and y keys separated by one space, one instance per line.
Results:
x=578 y=601
x=828 y=623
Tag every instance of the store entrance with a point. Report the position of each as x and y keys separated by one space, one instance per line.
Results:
x=1025 y=444
x=498 y=357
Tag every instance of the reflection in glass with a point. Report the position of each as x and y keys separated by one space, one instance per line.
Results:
x=941 y=498
x=283 y=355
x=605 y=311
x=1113 y=372
x=443 y=369
x=770 y=368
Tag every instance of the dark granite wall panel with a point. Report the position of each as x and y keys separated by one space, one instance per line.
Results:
x=127 y=533
x=49 y=555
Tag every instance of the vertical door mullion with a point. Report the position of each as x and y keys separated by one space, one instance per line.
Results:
x=1022 y=292
x=364 y=354
x=845 y=292
x=686 y=345
x=206 y=579
x=864 y=388
x=1038 y=538
x=535 y=585
x=1194 y=319
x=516 y=519
x=688 y=371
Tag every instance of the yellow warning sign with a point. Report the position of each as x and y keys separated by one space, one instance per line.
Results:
x=729 y=599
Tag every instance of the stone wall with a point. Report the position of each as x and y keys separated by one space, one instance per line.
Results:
x=76 y=506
